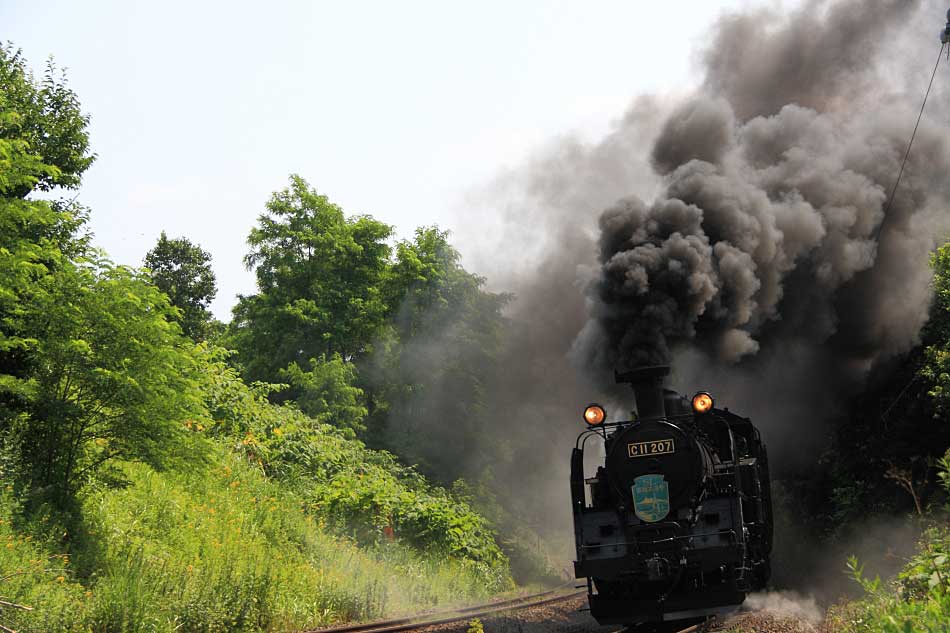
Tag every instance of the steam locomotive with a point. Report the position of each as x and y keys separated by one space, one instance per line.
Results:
x=675 y=526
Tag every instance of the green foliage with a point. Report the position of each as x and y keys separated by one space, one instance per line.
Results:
x=29 y=255
x=319 y=277
x=943 y=471
x=45 y=116
x=365 y=499
x=109 y=377
x=936 y=369
x=354 y=490
x=327 y=393
x=856 y=571
x=182 y=270
x=428 y=290
x=328 y=294
x=99 y=387
x=919 y=602
x=527 y=552
x=235 y=408
x=90 y=369
x=928 y=572
x=940 y=262
x=429 y=382
x=34 y=237
x=475 y=626
x=38 y=576
x=218 y=549
x=890 y=437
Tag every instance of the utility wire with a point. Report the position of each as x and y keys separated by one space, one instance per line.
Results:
x=890 y=201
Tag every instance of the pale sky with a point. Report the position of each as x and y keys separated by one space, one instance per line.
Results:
x=200 y=110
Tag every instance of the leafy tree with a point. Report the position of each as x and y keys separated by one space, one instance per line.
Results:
x=45 y=116
x=319 y=276
x=936 y=369
x=182 y=271
x=111 y=378
x=37 y=237
x=90 y=367
x=43 y=144
x=29 y=248
x=328 y=393
x=429 y=382
x=890 y=436
x=425 y=280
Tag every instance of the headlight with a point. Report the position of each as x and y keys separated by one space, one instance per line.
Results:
x=594 y=414
x=702 y=402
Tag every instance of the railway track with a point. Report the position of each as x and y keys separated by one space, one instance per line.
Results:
x=467 y=613
x=455 y=615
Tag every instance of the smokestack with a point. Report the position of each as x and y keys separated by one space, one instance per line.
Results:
x=647 y=383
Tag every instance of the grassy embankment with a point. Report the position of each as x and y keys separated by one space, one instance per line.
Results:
x=917 y=601
x=287 y=526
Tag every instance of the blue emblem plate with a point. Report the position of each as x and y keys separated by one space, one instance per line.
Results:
x=651 y=498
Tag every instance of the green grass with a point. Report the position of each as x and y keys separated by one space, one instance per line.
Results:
x=225 y=549
x=892 y=615
x=32 y=576
x=360 y=492
x=291 y=525
x=917 y=602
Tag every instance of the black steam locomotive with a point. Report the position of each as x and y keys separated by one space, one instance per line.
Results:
x=676 y=524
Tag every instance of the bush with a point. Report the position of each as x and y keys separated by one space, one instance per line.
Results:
x=917 y=602
x=356 y=491
x=37 y=577
x=327 y=392
x=220 y=549
x=928 y=572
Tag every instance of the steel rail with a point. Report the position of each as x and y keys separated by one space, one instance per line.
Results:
x=453 y=615
x=465 y=613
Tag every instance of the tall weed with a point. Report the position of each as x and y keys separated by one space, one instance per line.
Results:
x=917 y=602
x=225 y=549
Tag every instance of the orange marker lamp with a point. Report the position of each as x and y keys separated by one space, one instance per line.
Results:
x=702 y=402
x=594 y=414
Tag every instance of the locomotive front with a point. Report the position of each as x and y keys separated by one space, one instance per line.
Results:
x=675 y=525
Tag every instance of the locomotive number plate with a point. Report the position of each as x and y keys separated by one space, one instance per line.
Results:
x=655 y=447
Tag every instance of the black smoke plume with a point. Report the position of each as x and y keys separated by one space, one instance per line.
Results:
x=770 y=230
x=737 y=232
